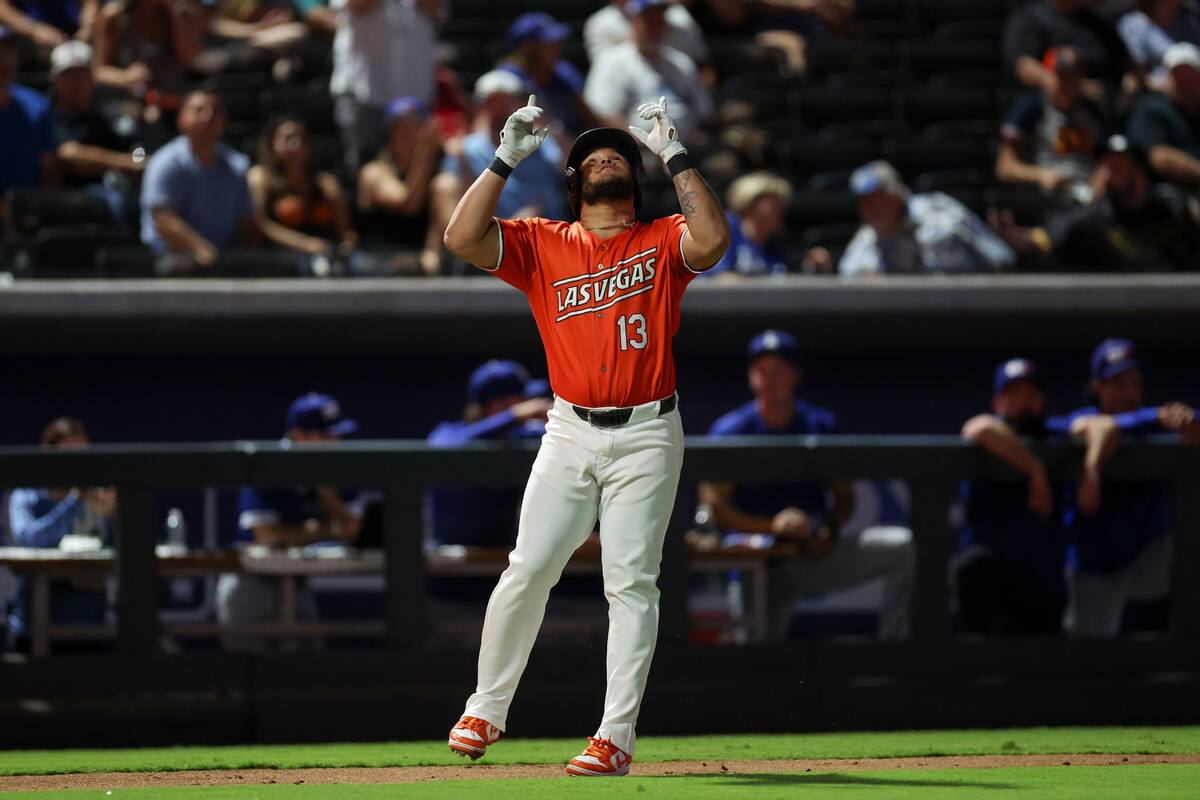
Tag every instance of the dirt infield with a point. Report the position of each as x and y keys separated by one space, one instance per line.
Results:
x=247 y=777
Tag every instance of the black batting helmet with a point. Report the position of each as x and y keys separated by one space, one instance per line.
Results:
x=619 y=140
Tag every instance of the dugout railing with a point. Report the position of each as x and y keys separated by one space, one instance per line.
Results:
x=933 y=467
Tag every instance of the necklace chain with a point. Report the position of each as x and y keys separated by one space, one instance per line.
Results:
x=606 y=227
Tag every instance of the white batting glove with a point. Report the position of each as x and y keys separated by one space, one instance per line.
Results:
x=663 y=138
x=518 y=139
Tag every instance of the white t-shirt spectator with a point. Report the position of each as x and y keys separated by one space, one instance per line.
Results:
x=1147 y=42
x=622 y=79
x=942 y=235
x=609 y=27
x=388 y=51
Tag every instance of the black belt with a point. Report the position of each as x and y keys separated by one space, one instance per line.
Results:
x=616 y=417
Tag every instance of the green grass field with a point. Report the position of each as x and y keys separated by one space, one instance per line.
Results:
x=1131 y=781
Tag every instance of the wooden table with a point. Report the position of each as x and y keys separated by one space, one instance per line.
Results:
x=40 y=566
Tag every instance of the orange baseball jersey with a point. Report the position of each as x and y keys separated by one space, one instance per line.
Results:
x=607 y=309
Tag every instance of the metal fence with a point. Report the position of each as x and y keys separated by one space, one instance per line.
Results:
x=933 y=466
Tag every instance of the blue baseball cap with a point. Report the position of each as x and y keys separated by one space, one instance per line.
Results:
x=495 y=379
x=635 y=7
x=774 y=342
x=1113 y=357
x=537 y=26
x=1013 y=370
x=319 y=412
x=404 y=106
x=538 y=387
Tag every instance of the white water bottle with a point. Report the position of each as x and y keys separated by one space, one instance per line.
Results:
x=176 y=529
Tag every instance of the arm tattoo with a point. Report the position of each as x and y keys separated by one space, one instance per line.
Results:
x=687 y=196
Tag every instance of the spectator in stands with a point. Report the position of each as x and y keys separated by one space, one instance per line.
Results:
x=383 y=49
x=1010 y=565
x=297 y=207
x=403 y=200
x=251 y=36
x=44 y=518
x=195 y=200
x=1039 y=25
x=798 y=513
x=788 y=27
x=1132 y=225
x=625 y=75
x=1152 y=27
x=92 y=154
x=1120 y=546
x=535 y=40
x=497 y=410
x=47 y=23
x=285 y=518
x=535 y=188
x=148 y=44
x=902 y=232
x=318 y=16
x=1051 y=139
x=757 y=204
x=609 y=27
x=26 y=127
x=1165 y=126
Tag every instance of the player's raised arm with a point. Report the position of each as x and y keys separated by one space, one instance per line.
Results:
x=707 y=237
x=469 y=234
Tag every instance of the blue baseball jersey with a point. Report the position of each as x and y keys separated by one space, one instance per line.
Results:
x=1130 y=514
x=477 y=516
x=997 y=518
x=279 y=506
x=769 y=499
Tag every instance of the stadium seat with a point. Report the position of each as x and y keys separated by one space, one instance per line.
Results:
x=68 y=251
x=966 y=79
x=969 y=29
x=833 y=238
x=843 y=55
x=125 y=261
x=1028 y=204
x=933 y=12
x=32 y=208
x=311 y=103
x=943 y=148
x=924 y=57
x=810 y=208
x=816 y=155
x=968 y=186
x=831 y=180
x=258 y=263
x=820 y=106
x=923 y=105
x=863 y=79
x=736 y=55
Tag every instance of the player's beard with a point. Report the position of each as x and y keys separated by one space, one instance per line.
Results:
x=1028 y=423
x=607 y=188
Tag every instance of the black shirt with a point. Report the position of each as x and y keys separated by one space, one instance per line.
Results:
x=1036 y=27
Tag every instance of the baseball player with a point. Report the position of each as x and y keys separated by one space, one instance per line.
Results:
x=1009 y=568
x=1120 y=550
x=605 y=293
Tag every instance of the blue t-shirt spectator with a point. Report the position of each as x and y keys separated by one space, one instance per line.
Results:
x=38 y=520
x=769 y=499
x=1131 y=514
x=535 y=183
x=212 y=199
x=26 y=133
x=997 y=517
x=746 y=257
x=477 y=516
x=560 y=97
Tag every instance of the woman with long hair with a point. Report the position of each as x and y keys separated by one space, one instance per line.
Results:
x=297 y=207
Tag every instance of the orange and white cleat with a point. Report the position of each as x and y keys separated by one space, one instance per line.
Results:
x=471 y=737
x=601 y=759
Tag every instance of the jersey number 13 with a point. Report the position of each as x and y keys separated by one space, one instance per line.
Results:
x=632 y=331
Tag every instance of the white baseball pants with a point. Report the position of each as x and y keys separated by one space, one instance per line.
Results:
x=627 y=477
x=1096 y=601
